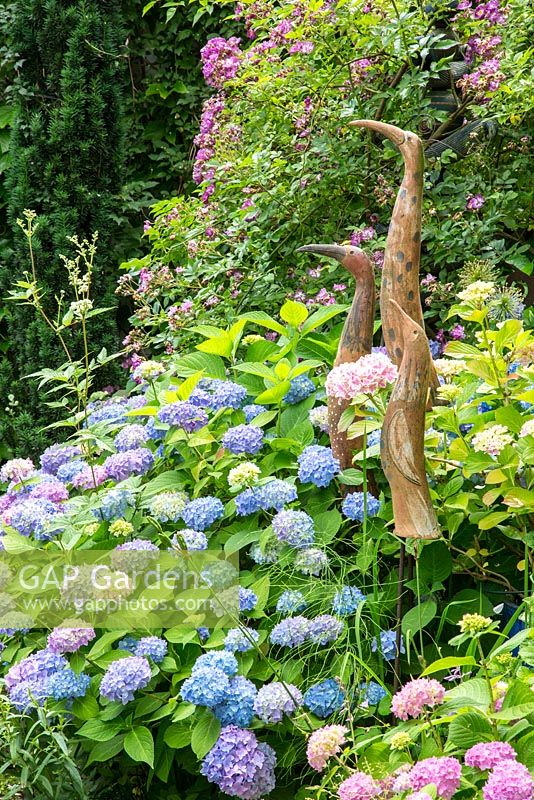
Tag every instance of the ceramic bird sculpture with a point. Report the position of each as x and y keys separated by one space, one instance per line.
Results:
x=400 y=273
x=357 y=336
x=403 y=432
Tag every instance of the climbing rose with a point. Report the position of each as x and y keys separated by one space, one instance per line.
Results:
x=323 y=744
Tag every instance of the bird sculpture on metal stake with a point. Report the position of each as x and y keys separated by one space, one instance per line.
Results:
x=400 y=273
x=403 y=434
x=357 y=336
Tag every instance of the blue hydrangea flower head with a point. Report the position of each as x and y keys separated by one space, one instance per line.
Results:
x=353 y=506
x=243 y=439
x=295 y=528
x=130 y=437
x=301 y=388
x=154 y=433
x=317 y=465
x=67 y=472
x=201 y=513
x=374 y=438
x=66 y=685
x=311 y=561
x=183 y=415
x=247 y=599
x=252 y=411
x=227 y=394
x=276 y=699
x=483 y=407
x=290 y=632
x=240 y=640
x=220 y=659
x=28 y=694
x=238 y=706
x=109 y=411
x=29 y=516
x=113 y=504
x=388 y=644
x=291 y=602
x=152 y=647
x=200 y=398
x=203 y=634
x=275 y=494
x=347 y=600
x=121 y=466
x=325 y=629
x=372 y=693
x=35 y=668
x=325 y=698
x=57 y=455
x=219 y=575
x=129 y=643
x=123 y=678
x=266 y=554
x=239 y=765
x=190 y=539
x=207 y=686
x=247 y=502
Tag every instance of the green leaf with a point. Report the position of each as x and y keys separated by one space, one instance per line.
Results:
x=470 y=693
x=492 y=520
x=85 y=707
x=294 y=313
x=448 y=663
x=178 y=736
x=218 y=346
x=103 y=644
x=103 y=751
x=100 y=731
x=205 y=734
x=240 y=540
x=469 y=729
x=263 y=319
x=351 y=477
x=327 y=524
x=321 y=316
x=139 y=745
x=212 y=366
x=435 y=562
x=275 y=394
x=419 y=617
x=261 y=370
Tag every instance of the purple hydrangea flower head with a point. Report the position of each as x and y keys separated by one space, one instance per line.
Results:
x=325 y=629
x=252 y=411
x=200 y=398
x=324 y=698
x=227 y=394
x=113 y=504
x=301 y=388
x=134 y=556
x=57 y=455
x=121 y=466
x=295 y=528
x=241 y=640
x=168 y=506
x=207 y=686
x=28 y=694
x=359 y=786
x=33 y=517
x=247 y=599
x=239 y=765
x=418 y=796
x=353 y=506
x=311 y=561
x=416 y=696
x=346 y=600
x=123 y=678
x=67 y=472
x=443 y=772
x=487 y=755
x=290 y=632
x=183 y=415
x=276 y=699
x=190 y=539
x=509 y=780
x=131 y=437
x=243 y=439
x=291 y=602
x=201 y=513
x=37 y=667
x=238 y=706
x=65 y=639
x=388 y=645
x=66 y=685
x=89 y=477
x=52 y=489
x=152 y=647
x=371 y=693
x=18 y=469
x=317 y=465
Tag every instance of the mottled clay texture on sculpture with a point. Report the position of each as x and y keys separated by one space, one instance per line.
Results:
x=403 y=433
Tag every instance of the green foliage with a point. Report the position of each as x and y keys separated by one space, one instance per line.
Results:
x=66 y=163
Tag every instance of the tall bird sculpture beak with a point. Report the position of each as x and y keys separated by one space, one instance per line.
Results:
x=409 y=325
x=396 y=135
x=336 y=251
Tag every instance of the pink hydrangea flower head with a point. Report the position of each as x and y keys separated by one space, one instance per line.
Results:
x=509 y=780
x=365 y=376
x=443 y=772
x=419 y=796
x=359 y=786
x=323 y=744
x=417 y=695
x=486 y=755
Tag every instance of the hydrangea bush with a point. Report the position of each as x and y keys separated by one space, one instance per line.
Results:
x=313 y=685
